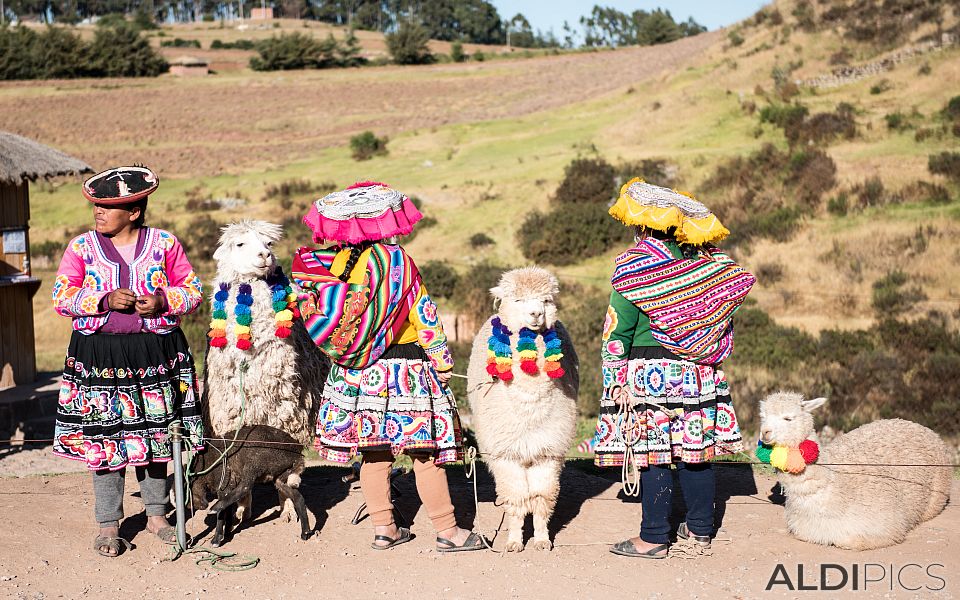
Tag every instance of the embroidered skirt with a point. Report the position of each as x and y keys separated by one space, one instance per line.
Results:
x=120 y=393
x=698 y=423
x=395 y=404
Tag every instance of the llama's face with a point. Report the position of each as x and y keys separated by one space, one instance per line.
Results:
x=538 y=314
x=786 y=419
x=246 y=254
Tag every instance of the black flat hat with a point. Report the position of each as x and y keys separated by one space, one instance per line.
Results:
x=120 y=185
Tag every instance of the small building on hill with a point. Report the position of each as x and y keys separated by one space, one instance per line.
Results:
x=261 y=14
x=189 y=66
x=21 y=161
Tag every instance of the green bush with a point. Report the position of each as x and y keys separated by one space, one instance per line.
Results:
x=570 y=234
x=472 y=294
x=366 y=145
x=235 y=45
x=897 y=121
x=951 y=111
x=296 y=50
x=811 y=174
x=440 y=278
x=456 y=52
x=735 y=38
x=479 y=240
x=409 y=45
x=838 y=205
x=121 y=52
x=587 y=181
x=116 y=51
x=889 y=297
x=870 y=193
x=180 y=43
x=881 y=87
x=946 y=164
x=761 y=342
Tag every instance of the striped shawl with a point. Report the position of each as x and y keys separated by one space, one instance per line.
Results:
x=355 y=323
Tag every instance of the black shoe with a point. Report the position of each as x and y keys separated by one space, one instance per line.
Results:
x=683 y=532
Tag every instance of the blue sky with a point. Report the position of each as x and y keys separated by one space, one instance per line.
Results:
x=544 y=14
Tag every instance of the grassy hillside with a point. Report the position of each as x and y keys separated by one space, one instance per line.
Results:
x=483 y=145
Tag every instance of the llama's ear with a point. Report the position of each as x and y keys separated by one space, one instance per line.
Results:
x=497 y=292
x=812 y=405
x=220 y=253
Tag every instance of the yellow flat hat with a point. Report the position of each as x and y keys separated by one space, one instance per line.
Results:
x=647 y=205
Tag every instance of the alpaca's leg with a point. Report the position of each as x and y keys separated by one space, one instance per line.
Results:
x=288 y=511
x=293 y=496
x=544 y=482
x=244 y=506
x=513 y=491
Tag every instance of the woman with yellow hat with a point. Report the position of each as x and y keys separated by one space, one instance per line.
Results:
x=667 y=331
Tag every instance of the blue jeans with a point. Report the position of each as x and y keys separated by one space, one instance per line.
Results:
x=698 y=483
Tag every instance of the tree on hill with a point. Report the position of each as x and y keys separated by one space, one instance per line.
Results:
x=408 y=45
x=607 y=26
x=120 y=52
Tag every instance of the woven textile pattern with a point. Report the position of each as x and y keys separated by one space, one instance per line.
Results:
x=690 y=302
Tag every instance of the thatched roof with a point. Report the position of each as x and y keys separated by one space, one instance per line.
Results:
x=22 y=158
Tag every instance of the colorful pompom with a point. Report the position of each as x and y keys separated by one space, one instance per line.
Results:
x=284 y=307
x=810 y=451
x=795 y=463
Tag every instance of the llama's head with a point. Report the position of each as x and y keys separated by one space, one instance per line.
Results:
x=246 y=250
x=527 y=298
x=786 y=418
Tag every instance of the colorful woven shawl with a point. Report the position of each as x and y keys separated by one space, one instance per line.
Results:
x=355 y=323
x=690 y=302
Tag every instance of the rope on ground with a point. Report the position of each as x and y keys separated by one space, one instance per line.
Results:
x=688 y=549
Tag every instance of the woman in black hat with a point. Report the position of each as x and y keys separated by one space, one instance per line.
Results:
x=128 y=372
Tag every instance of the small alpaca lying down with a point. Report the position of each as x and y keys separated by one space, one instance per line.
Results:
x=858 y=507
x=261 y=454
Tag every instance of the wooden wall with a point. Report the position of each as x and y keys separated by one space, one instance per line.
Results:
x=18 y=363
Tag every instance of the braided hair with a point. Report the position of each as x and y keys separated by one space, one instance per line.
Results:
x=355 y=251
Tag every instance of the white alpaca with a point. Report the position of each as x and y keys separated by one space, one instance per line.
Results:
x=284 y=378
x=857 y=507
x=525 y=426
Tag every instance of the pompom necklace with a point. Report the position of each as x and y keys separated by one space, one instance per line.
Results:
x=500 y=352
x=790 y=460
x=284 y=304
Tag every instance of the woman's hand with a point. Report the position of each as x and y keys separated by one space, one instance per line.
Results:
x=444 y=376
x=621 y=395
x=149 y=305
x=122 y=299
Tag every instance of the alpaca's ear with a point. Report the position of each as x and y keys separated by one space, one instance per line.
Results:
x=497 y=292
x=812 y=405
x=220 y=253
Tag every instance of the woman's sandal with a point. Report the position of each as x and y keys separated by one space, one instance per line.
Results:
x=683 y=532
x=115 y=544
x=168 y=534
x=403 y=536
x=473 y=542
x=626 y=548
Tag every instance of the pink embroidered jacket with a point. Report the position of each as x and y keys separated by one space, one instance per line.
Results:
x=92 y=267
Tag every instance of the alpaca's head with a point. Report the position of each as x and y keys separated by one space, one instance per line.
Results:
x=527 y=298
x=786 y=418
x=246 y=250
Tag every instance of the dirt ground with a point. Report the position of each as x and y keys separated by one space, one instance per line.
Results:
x=46 y=552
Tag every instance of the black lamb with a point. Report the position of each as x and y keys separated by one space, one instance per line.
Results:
x=260 y=454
